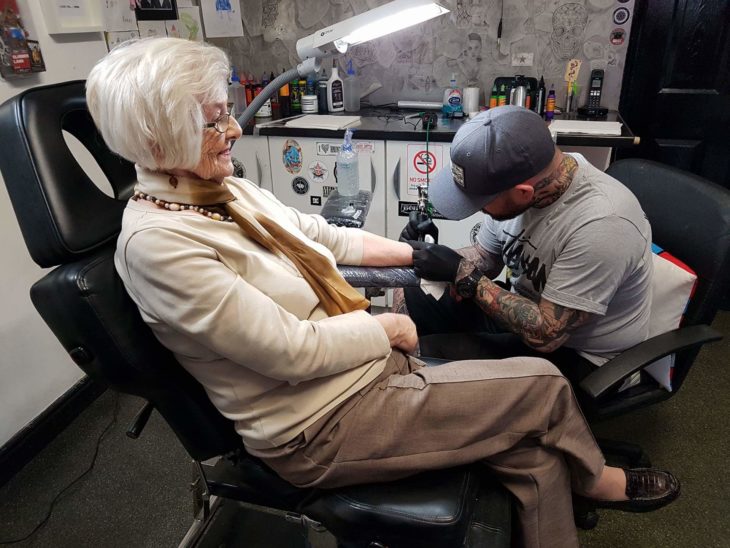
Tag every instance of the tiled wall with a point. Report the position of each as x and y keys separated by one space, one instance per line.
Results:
x=417 y=63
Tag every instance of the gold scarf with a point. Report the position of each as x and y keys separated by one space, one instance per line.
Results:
x=334 y=293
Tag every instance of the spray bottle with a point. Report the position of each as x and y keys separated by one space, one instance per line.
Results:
x=352 y=89
x=348 y=183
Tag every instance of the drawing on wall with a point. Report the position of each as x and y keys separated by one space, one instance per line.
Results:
x=118 y=16
x=310 y=12
x=113 y=39
x=569 y=22
x=151 y=29
x=221 y=18
x=190 y=26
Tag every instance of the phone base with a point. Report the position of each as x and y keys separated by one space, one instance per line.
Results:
x=593 y=112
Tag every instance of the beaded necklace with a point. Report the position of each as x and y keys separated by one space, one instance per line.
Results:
x=173 y=206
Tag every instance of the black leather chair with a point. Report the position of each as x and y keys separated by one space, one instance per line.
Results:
x=690 y=218
x=68 y=223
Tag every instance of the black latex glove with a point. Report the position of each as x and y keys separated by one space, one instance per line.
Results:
x=435 y=262
x=419 y=225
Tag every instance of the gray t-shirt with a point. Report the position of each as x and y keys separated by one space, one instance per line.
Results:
x=591 y=251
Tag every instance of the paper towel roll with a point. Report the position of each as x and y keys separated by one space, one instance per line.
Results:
x=471 y=100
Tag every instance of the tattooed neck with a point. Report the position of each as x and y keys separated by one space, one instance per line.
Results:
x=552 y=187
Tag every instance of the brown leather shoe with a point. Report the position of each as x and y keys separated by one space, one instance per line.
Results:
x=647 y=488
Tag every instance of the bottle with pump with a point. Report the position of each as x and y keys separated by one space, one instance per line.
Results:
x=540 y=100
x=352 y=89
x=237 y=94
x=335 y=92
x=452 y=98
x=348 y=183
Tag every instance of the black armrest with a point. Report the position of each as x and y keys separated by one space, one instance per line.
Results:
x=637 y=357
x=379 y=276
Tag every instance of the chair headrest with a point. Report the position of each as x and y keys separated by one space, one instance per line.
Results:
x=62 y=214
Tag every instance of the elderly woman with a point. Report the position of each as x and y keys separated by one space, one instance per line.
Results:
x=245 y=292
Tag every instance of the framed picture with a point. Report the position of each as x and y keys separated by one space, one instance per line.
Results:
x=72 y=16
x=156 y=10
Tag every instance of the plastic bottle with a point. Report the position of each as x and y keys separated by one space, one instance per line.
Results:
x=265 y=110
x=348 y=183
x=493 y=97
x=284 y=100
x=540 y=101
x=322 y=92
x=550 y=104
x=296 y=105
x=452 y=97
x=335 y=95
x=352 y=89
x=237 y=94
x=249 y=89
x=502 y=97
x=311 y=84
x=275 y=97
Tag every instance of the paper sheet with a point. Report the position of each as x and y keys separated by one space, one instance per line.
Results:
x=436 y=289
x=586 y=127
x=323 y=121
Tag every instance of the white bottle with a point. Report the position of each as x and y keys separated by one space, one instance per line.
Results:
x=348 y=183
x=237 y=94
x=352 y=89
x=335 y=92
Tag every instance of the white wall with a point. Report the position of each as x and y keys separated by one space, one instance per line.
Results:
x=34 y=368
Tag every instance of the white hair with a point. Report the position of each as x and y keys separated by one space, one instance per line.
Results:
x=146 y=97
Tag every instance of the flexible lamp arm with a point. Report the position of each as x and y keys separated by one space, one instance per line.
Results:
x=305 y=67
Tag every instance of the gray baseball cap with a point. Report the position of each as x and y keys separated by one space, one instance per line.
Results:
x=492 y=152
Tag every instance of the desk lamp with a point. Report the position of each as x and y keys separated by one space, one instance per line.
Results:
x=337 y=38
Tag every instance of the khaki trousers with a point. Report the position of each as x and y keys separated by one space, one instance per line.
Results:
x=518 y=416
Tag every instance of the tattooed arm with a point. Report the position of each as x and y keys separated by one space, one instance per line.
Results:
x=544 y=326
x=489 y=263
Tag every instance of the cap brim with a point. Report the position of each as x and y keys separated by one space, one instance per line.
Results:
x=451 y=201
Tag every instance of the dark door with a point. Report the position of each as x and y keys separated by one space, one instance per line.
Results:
x=676 y=87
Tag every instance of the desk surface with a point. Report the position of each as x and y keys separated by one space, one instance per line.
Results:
x=386 y=125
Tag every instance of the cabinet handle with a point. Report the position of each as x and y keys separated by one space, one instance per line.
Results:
x=373 y=176
x=259 y=171
x=396 y=179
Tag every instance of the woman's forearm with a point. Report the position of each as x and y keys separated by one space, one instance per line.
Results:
x=379 y=251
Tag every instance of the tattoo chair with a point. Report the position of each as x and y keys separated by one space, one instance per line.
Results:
x=68 y=223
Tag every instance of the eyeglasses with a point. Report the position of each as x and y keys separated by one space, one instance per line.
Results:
x=220 y=124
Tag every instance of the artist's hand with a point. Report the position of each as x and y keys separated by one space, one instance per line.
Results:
x=419 y=225
x=435 y=262
x=401 y=331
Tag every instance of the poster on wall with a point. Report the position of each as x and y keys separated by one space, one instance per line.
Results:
x=118 y=16
x=19 y=54
x=221 y=18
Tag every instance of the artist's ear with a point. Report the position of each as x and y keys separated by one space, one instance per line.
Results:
x=523 y=192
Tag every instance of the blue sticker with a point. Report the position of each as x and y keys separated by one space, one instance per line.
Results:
x=292 y=156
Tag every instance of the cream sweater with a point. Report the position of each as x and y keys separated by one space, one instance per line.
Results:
x=242 y=320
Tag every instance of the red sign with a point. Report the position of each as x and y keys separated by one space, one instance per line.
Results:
x=424 y=162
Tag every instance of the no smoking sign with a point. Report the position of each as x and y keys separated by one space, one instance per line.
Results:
x=424 y=161
x=422 y=165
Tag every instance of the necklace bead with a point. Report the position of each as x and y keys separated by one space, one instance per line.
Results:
x=173 y=206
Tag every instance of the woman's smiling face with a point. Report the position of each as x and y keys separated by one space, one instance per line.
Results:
x=215 y=155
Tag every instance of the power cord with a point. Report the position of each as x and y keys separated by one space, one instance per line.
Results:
x=57 y=498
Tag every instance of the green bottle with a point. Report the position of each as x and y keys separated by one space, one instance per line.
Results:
x=502 y=98
x=493 y=97
x=296 y=97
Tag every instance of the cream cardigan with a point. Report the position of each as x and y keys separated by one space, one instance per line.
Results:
x=242 y=320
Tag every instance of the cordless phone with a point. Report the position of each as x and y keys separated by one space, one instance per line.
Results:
x=594 y=92
x=593 y=108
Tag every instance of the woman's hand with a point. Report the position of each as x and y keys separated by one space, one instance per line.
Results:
x=401 y=331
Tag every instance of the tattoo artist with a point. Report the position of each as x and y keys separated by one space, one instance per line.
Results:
x=575 y=241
